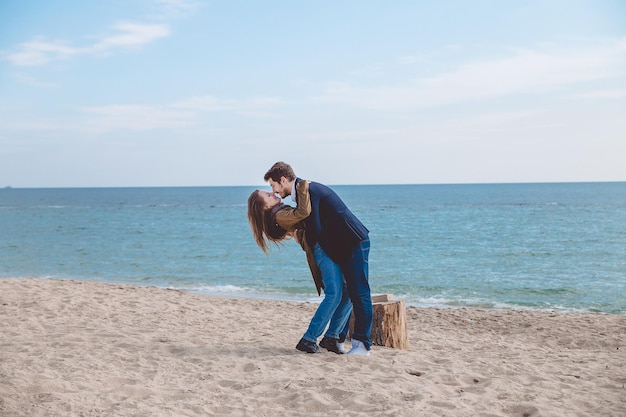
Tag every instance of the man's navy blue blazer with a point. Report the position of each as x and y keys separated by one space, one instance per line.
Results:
x=332 y=224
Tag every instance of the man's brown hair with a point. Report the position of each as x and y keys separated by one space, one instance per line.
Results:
x=278 y=170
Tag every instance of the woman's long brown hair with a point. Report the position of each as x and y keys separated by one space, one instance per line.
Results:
x=257 y=219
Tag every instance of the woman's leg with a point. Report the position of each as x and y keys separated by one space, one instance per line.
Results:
x=339 y=320
x=333 y=283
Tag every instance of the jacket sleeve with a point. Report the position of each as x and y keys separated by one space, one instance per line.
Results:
x=288 y=217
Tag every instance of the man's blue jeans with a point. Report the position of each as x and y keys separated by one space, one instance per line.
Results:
x=356 y=272
x=336 y=305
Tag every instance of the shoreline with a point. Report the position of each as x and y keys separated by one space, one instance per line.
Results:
x=93 y=348
x=314 y=298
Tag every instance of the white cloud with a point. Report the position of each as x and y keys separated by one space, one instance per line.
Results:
x=28 y=80
x=102 y=119
x=41 y=52
x=212 y=104
x=135 y=117
x=131 y=35
x=499 y=119
x=527 y=71
x=610 y=94
x=179 y=114
x=177 y=8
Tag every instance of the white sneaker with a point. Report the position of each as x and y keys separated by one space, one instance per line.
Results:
x=342 y=347
x=358 y=348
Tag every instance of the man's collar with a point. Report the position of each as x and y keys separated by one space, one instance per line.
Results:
x=293 y=191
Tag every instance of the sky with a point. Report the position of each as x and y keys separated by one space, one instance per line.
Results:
x=212 y=93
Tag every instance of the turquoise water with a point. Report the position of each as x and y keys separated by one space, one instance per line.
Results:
x=539 y=246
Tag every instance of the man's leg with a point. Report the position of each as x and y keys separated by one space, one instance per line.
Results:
x=356 y=273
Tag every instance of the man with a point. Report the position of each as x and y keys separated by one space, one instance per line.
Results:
x=342 y=238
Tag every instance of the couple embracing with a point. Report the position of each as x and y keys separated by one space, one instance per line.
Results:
x=337 y=249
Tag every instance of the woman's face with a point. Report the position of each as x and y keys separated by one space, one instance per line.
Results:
x=269 y=199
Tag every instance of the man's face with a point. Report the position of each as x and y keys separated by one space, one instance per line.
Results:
x=281 y=188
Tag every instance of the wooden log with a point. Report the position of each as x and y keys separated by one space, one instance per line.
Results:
x=389 y=327
x=382 y=298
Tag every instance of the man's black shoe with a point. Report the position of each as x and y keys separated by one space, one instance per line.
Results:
x=308 y=347
x=331 y=345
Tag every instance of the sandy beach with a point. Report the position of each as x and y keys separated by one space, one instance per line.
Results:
x=71 y=348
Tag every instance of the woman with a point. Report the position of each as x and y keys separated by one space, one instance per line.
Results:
x=272 y=221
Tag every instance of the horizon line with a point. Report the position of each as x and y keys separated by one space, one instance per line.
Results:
x=10 y=187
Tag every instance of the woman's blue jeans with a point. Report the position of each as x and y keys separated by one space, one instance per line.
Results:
x=336 y=306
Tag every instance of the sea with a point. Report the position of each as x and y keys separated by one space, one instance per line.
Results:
x=545 y=246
